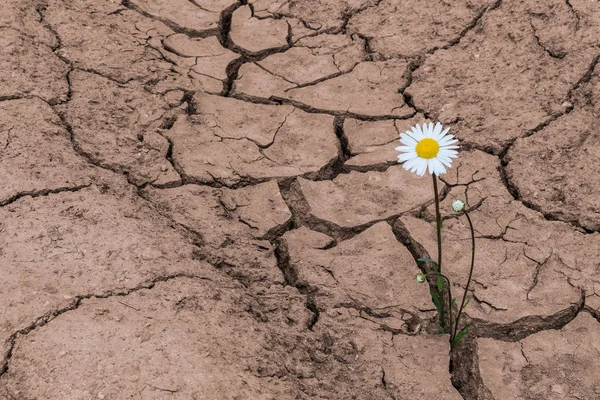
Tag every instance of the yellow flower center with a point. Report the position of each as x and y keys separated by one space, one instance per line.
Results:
x=427 y=148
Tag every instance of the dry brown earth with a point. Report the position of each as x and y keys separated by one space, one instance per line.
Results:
x=201 y=199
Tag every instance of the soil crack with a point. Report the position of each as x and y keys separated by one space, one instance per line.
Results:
x=558 y=56
x=302 y=214
x=43 y=192
x=469 y=27
x=464 y=362
x=290 y=274
x=74 y=304
x=192 y=33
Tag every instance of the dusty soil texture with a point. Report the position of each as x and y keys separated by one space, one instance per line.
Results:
x=200 y=199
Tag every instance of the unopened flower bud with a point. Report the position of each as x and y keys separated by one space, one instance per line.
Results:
x=458 y=205
x=421 y=278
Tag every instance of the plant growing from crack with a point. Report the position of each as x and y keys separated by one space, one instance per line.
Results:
x=428 y=148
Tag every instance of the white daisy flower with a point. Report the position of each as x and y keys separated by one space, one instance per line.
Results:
x=427 y=147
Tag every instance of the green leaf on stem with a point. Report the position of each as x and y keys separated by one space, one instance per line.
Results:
x=466 y=302
x=425 y=259
x=436 y=301
x=438 y=307
x=453 y=303
x=440 y=327
x=459 y=336
x=441 y=224
x=440 y=283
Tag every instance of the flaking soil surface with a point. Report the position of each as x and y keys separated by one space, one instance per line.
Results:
x=200 y=199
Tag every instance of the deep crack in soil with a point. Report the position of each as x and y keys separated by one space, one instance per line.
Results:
x=225 y=170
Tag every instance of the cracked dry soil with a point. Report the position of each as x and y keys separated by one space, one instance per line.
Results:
x=200 y=199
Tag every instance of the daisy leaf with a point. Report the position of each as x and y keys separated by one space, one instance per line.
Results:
x=440 y=283
x=459 y=336
x=436 y=301
x=440 y=327
x=466 y=302
x=438 y=306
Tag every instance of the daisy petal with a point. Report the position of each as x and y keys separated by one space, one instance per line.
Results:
x=408 y=164
x=405 y=148
x=447 y=140
x=417 y=133
x=420 y=129
x=446 y=163
x=416 y=165
x=420 y=162
x=422 y=168
x=447 y=153
x=430 y=165
x=425 y=129
x=407 y=156
x=407 y=140
x=436 y=131
x=449 y=136
x=449 y=157
x=448 y=143
x=445 y=160
x=438 y=167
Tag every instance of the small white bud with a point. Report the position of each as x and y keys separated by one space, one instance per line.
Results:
x=458 y=205
x=421 y=278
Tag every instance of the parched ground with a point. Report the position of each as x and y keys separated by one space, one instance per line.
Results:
x=200 y=199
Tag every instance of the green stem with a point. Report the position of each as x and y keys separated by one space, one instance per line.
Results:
x=439 y=233
x=438 y=218
x=462 y=304
x=449 y=299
